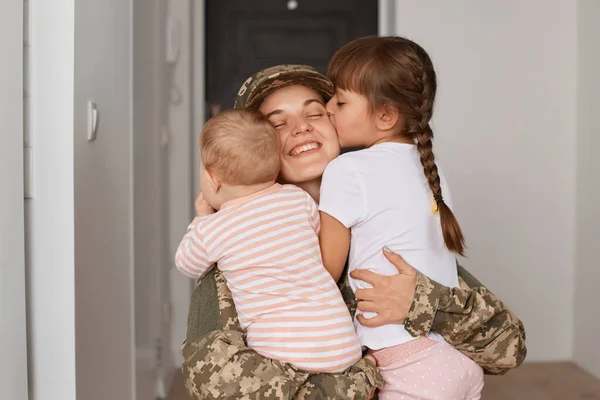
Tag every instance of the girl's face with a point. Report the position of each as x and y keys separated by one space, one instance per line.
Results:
x=308 y=141
x=349 y=113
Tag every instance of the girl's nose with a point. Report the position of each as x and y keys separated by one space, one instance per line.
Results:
x=329 y=107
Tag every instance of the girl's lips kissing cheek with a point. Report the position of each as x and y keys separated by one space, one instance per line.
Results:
x=304 y=148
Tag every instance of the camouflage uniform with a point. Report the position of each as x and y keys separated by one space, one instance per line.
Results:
x=218 y=364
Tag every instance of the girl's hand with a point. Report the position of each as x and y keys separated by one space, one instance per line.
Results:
x=390 y=296
x=202 y=207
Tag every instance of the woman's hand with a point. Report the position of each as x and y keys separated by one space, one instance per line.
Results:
x=390 y=296
x=202 y=207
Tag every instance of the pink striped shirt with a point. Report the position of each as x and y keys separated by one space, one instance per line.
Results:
x=267 y=246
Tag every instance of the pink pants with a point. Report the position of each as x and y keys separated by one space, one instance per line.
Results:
x=425 y=369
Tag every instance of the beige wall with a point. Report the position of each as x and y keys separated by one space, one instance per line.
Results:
x=505 y=125
x=587 y=266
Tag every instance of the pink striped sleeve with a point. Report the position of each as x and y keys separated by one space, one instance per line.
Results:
x=313 y=214
x=192 y=258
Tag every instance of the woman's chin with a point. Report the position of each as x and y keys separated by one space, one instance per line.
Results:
x=298 y=173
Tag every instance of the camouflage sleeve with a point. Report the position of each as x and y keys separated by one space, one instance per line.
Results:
x=472 y=319
x=211 y=307
x=219 y=365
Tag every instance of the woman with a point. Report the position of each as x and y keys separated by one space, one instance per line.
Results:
x=470 y=318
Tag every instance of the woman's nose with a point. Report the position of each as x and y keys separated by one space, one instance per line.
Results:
x=302 y=127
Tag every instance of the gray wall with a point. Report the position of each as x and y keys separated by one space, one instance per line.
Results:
x=13 y=352
x=587 y=266
x=104 y=256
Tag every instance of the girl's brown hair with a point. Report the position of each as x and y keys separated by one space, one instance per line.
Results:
x=397 y=72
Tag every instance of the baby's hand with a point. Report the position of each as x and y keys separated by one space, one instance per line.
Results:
x=202 y=207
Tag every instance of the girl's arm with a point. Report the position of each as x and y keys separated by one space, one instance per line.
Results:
x=342 y=206
x=335 y=245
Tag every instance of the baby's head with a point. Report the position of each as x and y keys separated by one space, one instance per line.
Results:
x=239 y=150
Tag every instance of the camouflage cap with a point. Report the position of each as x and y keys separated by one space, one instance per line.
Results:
x=263 y=83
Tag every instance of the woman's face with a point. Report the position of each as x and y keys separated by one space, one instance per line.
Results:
x=308 y=141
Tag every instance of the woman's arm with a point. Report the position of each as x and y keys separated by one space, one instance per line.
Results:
x=470 y=318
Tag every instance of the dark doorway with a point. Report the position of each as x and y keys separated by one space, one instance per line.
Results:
x=243 y=37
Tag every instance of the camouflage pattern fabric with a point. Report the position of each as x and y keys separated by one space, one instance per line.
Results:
x=263 y=83
x=219 y=365
x=472 y=319
x=229 y=317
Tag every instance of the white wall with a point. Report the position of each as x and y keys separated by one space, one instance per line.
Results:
x=587 y=273
x=104 y=304
x=51 y=263
x=13 y=350
x=505 y=130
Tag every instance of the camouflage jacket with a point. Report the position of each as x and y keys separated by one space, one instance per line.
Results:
x=470 y=318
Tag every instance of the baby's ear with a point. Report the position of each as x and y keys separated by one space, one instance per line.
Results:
x=213 y=179
x=387 y=117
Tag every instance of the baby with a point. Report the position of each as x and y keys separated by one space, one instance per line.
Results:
x=264 y=238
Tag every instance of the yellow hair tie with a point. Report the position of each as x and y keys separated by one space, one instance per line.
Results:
x=434 y=206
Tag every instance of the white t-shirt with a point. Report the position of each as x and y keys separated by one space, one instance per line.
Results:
x=381 y=193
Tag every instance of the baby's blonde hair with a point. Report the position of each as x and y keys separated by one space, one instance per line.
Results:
x=240 y=147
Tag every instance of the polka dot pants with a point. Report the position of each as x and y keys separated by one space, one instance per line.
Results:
x=437 y=372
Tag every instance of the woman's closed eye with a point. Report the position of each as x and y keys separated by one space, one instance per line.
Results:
x=278 y=124
x=315 y=111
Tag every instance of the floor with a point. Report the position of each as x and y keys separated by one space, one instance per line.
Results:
x=533 y=381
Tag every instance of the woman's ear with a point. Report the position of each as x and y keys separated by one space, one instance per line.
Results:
x=212 y=179
x=387 y=117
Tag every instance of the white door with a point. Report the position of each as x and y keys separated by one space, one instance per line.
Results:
x=13 y=333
